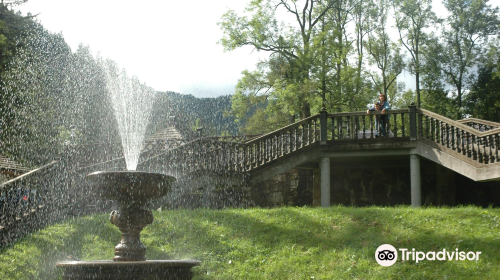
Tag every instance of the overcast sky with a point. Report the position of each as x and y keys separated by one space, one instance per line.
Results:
x=169 y=45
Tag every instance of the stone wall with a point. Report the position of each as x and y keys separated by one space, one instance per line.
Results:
x=381 y=181
x=364 y=182
x=370 y=182
x=293 y=188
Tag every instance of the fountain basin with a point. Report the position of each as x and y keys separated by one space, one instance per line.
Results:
x=130 y=186
x=143 y=270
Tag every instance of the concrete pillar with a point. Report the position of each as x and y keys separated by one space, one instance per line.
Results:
x=316 y=187
x=416 y=190
x=325 y=182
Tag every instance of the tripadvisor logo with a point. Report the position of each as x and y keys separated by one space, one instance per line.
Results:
x=387 y=255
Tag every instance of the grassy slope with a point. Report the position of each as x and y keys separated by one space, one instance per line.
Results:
x=282 y=243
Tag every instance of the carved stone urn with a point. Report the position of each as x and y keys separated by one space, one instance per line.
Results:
x=132 y=190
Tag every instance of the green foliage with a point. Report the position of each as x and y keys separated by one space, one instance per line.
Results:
x=12 y=28
x=308 y=67
x=32 y=92
x=280 y=243
x=470 y=23
x=385 y=55
x=413 y=19
x=483 y=100
x=263 y=121
x=319 y=65
x=46 y=89
x=291 y=48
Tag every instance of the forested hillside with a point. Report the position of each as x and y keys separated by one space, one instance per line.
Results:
x=192 y=113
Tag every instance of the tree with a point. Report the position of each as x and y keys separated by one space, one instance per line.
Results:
x=413 y=17
x=344 y=76
x=384 y=54
x=433 y=87
x=33 y=95
x=289 y=44
x=483 y=100
x=13 y=2
x=13 y=27
x=48 y=91
x=364 y=15
x=253 y=105
x=470 y=23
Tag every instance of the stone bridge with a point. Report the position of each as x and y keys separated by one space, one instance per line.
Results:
x=468 y=147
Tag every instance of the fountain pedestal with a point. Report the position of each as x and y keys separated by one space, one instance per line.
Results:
x=129 y=270
x=133 y=190
x=130 y=222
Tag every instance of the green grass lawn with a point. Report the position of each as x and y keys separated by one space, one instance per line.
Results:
x=281 y=243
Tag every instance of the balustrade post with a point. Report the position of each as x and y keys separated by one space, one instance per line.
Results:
x=447 y=131
x=468 y=140
x=315 y=131
x=480 y=153
x=395 y=125
x=303 y=136
x=364 y=126
x=403 y=125
x=323 y=126
x=348 y=128
x=453 y=137
x=490 y=144
x=370 y=118
x=473 y=142
x=296 y=132
x=282 y=141
x=426 y=127
x=497 y=143
x=413 y=121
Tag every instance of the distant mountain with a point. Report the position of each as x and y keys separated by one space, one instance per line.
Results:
x=191 y=112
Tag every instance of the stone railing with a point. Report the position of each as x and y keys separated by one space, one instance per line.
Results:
x=463 y=137
x=44 y=196
x=360 y=125
x=29 y=200
x=201 y=155
x=480 y=125
x=280 y=143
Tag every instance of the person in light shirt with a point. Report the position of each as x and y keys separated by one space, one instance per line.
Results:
x=381 y=122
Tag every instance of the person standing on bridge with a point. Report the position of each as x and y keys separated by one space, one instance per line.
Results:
x=381 y=122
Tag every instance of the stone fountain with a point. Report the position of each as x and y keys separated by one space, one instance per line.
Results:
x=132 y=190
